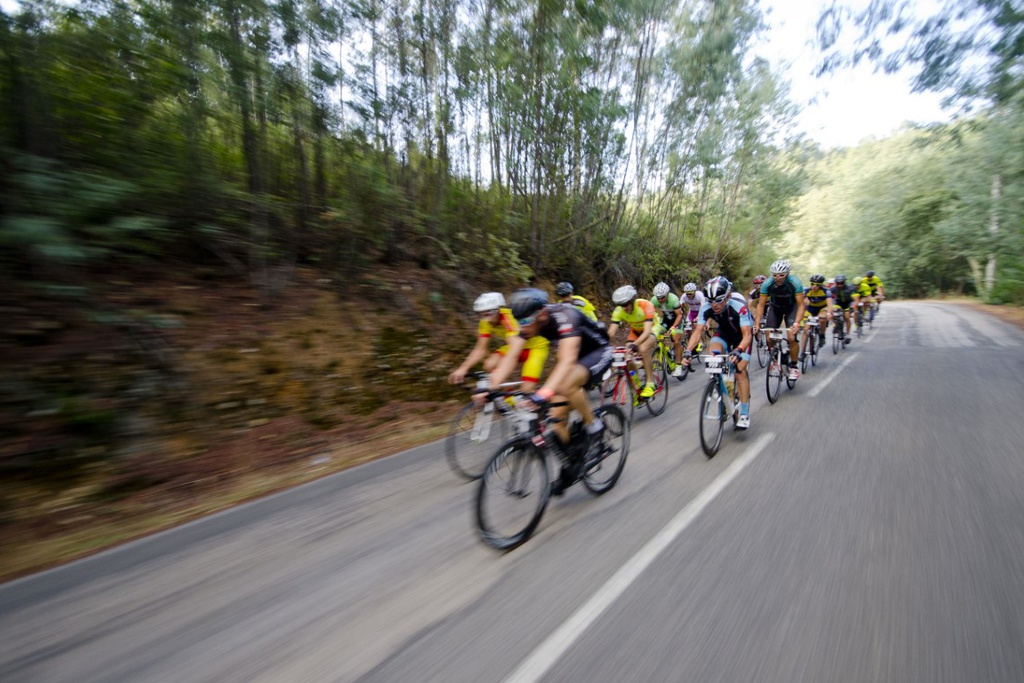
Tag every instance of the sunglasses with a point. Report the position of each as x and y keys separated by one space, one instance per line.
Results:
x=523 y=322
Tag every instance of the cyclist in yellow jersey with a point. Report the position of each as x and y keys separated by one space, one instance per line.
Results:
x=497 y=322
x=877 y=290
x=564 y=291
x=861 y=295
x=640 y=317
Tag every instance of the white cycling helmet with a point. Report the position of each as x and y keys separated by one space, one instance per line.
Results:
x=660 y=290
x=780 y=266
x=488 y=301
x=690 y=287
x=623 y=295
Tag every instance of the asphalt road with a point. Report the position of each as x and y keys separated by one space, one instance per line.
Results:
x=868 y=527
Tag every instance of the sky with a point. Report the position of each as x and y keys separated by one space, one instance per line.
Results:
x=851 y=105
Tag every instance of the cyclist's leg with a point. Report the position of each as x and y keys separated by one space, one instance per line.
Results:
x=646 y=354
x=789 y=317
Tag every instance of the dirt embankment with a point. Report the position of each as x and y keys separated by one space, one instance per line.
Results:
x=158 y=401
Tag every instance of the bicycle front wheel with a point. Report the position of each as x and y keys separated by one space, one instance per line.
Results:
x=656 y=404
x=762 y=351
x=837 y=341
x=712 y=417
x=601 y=476
x=472 y=437
x=773 y=376
x=513 y=494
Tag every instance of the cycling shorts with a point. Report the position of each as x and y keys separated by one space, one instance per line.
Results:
x=596 y=362
x=776 y=317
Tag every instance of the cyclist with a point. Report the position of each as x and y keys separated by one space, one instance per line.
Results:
x=733 y=336
x=564 y=290
x=497 y=321
x=641 y=317
x=692 y=299
x=819 y=303
x=843 y=299
x=582 y=355
x=784 y=297
x=861 y=295
x=667 y=305
x=877 y=291
x=755 y=293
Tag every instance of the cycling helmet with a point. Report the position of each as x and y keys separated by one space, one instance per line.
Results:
x=660 y=290
x=759 y=279
x=840 y=279
x=780 y=266
x=623 y=295
x=817 y=279
x=718 y=289
x=870 y=273
x=563 y=288
x=857 y=281
x=690 y=287
x=526 y=302
x=488 y=301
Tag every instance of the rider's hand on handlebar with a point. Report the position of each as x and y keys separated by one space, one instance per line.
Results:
x=456 y=377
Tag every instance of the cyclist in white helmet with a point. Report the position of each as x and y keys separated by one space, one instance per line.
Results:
x=667 y=304
x=783 y=294
x=639 y=316
x=497 y=321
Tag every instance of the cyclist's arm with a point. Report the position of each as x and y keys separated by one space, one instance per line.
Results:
x=565 y=361
x=478 y=353
x=760 y=311
x=678 y=320
x=801 y=308
x=508 y=362
x=613 y=331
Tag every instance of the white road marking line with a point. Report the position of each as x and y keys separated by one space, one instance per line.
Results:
x=824 y=383
x=548 y=652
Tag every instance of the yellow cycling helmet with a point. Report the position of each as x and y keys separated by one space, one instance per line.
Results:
x=857 y=281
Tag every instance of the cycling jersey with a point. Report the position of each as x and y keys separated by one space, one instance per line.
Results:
x=873 y=283
x=815 y=298
x=731 y=321
x=506 y=327
x=565 y=320
x=863 y=290
x=643 y=310
x=586 y=308
x=782 y=297
x=692 y=303
x=667 y=308
x=842 y=296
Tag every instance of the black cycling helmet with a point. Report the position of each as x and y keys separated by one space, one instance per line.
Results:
x=840 y=279
x=563 y=288
x=870 y=273
x=718 y=289
x=817 y=279
x=526 y=302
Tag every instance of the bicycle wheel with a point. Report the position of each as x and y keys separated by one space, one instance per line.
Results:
x=837 y=340
x=762 y=350
x=601 y=476
x=472 y=437
x=804 y=356
x=656 y=404
x=712 y=417
x=513 y=494
x=773 y=376
x=815 y=343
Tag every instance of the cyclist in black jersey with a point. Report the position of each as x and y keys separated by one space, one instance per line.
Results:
x=842 y=297
x=582 y=354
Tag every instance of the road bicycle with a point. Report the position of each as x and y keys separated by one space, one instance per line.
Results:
x=859 y=318
x=515 y=487
x=838 y=330
x=477 y=430
x=778 y=364
x=665 y=355
x=761 y=346
x=810 y=344
x=718 y=402
x=622 y=385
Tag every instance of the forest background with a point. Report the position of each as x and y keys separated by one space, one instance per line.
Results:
x=240 y=239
